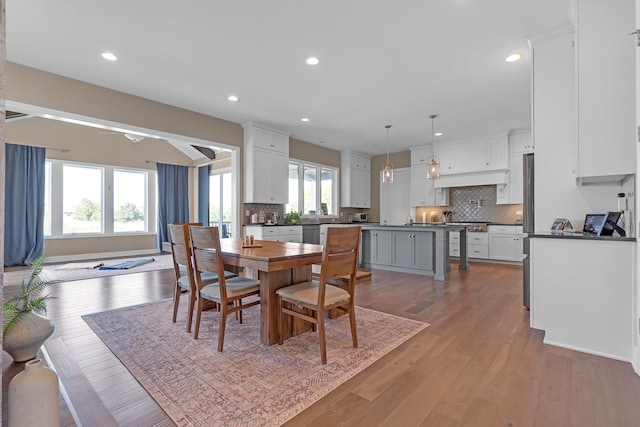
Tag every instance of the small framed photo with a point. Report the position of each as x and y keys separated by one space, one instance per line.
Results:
x=561 y=224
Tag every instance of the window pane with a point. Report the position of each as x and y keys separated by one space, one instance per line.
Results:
x=310 y=189
x=47 y=199
x=326 y=191
x=129 y=201
x=82 y=199
x=293 y=204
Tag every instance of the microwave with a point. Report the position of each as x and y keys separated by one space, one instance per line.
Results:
x=360 y=217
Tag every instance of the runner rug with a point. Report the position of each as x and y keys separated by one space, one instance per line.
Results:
x=248 y=384
x=101 y=268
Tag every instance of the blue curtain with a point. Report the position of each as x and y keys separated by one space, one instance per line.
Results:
x=203 y=194
x=24 y=204
x=173 y=198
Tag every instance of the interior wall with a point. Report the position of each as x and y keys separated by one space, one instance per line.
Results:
x=305 y=151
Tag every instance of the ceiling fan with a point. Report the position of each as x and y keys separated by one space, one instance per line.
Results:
x=130 y=136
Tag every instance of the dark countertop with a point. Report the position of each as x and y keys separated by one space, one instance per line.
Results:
x=580 y=236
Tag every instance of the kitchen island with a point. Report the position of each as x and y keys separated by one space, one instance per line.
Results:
x=418 y=248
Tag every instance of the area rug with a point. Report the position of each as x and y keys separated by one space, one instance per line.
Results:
x=248 y=384
x=92 y=269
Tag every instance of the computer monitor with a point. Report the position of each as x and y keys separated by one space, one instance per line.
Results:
x=593 y=223
x=611 y=224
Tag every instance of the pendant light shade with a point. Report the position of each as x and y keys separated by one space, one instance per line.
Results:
x=387 y=171
x=433 y=168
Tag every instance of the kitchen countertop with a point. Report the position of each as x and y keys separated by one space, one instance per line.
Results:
x=580 y=236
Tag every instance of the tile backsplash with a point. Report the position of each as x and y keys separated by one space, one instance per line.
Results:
x=476 y=203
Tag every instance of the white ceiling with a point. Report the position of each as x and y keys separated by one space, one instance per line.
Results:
x=382 y=62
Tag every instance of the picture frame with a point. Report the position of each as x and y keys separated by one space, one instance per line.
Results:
x=561 y=224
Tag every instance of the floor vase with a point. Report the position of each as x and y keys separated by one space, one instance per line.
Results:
x=25 y=339
x=34 y=397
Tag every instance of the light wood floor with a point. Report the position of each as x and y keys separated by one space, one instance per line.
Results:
x=478 y=364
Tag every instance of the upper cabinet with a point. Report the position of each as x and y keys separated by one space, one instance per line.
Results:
x=606 y=96
x=355 y=180
x=266 y=164
x=477 y=155
x=511 y=192
x=423 y=192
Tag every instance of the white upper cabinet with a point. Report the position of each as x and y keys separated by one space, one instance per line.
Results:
x=511 y=193
x=478 y=155
x=355 y=180
x=606 y=98
x=520 y=142
x=266 y=165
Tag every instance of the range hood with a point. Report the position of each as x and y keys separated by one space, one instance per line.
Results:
x=471 y=179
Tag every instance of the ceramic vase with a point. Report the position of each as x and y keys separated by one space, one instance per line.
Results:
x=25 y=339
x=34 y=397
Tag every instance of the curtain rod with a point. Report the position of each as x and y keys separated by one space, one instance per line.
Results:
x=64 y=150
x=151 y=161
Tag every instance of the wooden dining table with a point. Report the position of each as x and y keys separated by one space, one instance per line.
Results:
x=275 y=264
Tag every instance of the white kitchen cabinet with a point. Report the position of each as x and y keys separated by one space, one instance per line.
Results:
x=520 y=142
x=478 y=155
x=505 y=242
x=355 y=180
x=284 y=233
x=478 y=245
x=423 y=192
x=266 y=165
x=606 y=100
x=377 y=247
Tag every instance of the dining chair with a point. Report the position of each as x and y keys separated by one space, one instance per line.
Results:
x=183 y=268
x=339 y=258
x=228 y=293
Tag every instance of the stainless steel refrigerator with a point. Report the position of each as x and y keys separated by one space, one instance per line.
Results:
x=527 y=225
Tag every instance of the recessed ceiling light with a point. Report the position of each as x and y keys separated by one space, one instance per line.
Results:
x=109 y=56
x=514 y=57
x=438 y=134
x=313 y=60
x=305 y=119
x=233 y=98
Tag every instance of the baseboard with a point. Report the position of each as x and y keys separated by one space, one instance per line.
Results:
x=584 y=350
x=100 y=255
x=636 y=360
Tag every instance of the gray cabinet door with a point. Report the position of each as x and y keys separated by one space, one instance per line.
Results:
x=384 y=253
x=377 y=247
x=424 y=251
x=403 y=255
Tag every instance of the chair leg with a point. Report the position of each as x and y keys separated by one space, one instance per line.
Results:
x=321 y=336
x=280 y=314
x=223 y=323
x=192 y=303
x=176 y=301
x=352 y=320
x=198 y=315
x=239 y=312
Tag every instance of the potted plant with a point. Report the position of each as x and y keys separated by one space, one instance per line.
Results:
x=292 y=217
x=24 y=329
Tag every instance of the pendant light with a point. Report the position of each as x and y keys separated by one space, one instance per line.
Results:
x=433 y=168
x=387 y=172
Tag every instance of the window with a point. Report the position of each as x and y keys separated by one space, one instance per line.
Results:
x=312 y=187
x=220 y=202
x=82 y=199
x=88 y=199
x=129 y=201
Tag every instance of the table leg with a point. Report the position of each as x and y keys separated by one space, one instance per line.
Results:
x=270 y=282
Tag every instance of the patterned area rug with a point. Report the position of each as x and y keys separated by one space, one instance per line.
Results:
x=90 y=270
x=248 y=384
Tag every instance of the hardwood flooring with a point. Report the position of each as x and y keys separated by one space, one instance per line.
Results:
x=478 y=364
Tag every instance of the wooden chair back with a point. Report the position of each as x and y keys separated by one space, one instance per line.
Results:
x=205 y=249
x=340 y=257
